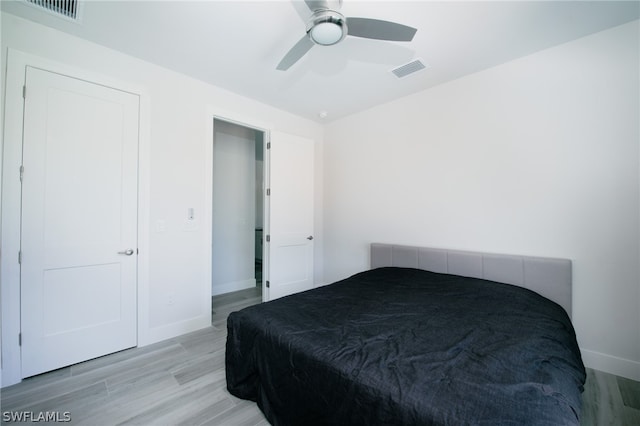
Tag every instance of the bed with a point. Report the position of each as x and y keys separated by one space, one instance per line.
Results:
x=425 y=337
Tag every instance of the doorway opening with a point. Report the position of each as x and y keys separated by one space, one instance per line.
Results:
x=238 y=212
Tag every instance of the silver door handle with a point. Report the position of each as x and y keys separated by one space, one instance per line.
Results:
x=127 y=252
x=310 y=237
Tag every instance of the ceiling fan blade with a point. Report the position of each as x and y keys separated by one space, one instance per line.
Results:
x=296 y=52
x=379 y=30
x=317 y=4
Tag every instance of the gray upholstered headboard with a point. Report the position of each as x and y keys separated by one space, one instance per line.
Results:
x=548 y=277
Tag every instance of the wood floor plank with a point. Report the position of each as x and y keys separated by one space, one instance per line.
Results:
x=164 y=359
x=175 y=407
x=630 y=391
x=630 y=416
x=125 y=355
x=243 y=414
x=602 y=401
x=223 y=305
x=201 y=402
x=210 y=342
x=150 y=380
x=219 y=316
x=69 y=402
x=230 y=298
x=31 y=383
x=215 y=409
x=203 y=364
x=200 y=336
x=37 y=394
x=147 y=401
x=125 y=402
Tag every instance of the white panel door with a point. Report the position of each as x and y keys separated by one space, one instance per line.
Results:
x=290 y=215
x=79 y=221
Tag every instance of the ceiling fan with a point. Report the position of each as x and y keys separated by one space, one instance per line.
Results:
x=327 y=26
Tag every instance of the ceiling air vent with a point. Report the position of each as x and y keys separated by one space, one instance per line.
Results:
x=66 y=8
x=410 y=68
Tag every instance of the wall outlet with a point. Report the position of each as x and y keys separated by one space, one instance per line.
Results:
x=171 y=298
x=161 y=225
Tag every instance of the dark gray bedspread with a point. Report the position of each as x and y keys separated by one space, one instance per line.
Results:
x=399 y=346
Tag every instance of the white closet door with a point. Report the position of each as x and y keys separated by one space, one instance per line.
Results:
x=291 y=215
x=79 y=221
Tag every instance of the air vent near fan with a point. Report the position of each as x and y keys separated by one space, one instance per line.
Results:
x=65 y=8
x=410 y=68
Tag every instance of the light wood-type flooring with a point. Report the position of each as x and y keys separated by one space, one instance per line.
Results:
x=181 y=381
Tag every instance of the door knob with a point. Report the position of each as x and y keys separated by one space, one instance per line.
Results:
x=310 y=237
x=127 y=252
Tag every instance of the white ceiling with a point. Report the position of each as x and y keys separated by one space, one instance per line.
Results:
x=236 y=45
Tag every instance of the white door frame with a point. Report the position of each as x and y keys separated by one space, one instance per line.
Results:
x=234 y=118
x=11 y=204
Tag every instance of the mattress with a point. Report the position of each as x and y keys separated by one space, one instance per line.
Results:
x=406 y=346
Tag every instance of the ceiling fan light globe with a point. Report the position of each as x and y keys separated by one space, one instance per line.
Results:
x=326 y=33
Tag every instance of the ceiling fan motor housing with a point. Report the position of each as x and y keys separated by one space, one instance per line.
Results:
x=327 y=27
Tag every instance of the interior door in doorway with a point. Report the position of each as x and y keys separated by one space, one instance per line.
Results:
x=290 y=215
x=79 y=221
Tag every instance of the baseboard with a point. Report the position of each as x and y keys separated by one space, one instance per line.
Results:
x=158 y=334
x=611 y=364
x=232 y=286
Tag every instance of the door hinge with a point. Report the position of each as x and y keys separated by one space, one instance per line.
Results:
x=268 y=238
x=19 y=339
x=268 y=285
x=19 y=257
x=24 y=92
x=268 y=145
x=21 y=173
x=268 y=191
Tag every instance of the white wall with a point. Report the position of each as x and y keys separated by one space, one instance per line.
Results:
x=177 y=117
x=234 y=208
x=538 y=156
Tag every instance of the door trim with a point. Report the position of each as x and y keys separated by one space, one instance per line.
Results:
x=17 y=62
